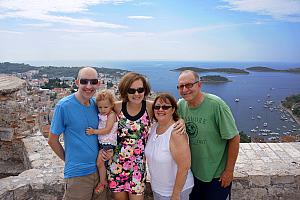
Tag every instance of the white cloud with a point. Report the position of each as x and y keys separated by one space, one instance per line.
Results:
x=287 y=10
x=140 y=17
x=44 y=10
x=38 y=25
x=10 y=32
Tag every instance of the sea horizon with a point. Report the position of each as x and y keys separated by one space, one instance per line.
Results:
x=123 y=64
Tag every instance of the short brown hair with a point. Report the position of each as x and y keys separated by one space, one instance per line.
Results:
x=105 y=95
x=126 y=82
x=195 y=74
x=164 y=97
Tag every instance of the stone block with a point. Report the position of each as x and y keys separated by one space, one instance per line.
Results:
x=46 y=197
x=297 y=180
x=7 y=195
x=22 y=192
x=258 y=193
x=260 y=181
x=282 y=179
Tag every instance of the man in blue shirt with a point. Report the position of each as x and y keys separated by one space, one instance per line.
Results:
x=72 y=115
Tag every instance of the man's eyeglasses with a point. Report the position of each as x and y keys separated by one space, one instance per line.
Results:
x=133 y=90
x=84 y=81
x=187 y=86
x=165 y=107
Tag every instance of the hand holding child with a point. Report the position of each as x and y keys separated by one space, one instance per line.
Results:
x=90 y=131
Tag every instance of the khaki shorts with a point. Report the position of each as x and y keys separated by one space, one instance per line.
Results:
x=82 y=188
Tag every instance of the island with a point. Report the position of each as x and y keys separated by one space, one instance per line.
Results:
x=268 y=69
x=205 y=70
x=214 y=79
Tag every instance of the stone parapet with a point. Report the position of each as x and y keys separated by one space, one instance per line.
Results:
x=10 y=84
x=263 y=171
x=43 y=178
x=267 y=171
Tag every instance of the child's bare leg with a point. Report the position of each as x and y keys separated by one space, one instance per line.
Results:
x=102 y=173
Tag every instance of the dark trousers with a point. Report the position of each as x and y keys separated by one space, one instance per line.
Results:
x=209 y=190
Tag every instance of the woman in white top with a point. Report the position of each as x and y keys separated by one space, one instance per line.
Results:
x=168 y=153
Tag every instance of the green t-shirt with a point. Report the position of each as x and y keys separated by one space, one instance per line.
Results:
x=209 y=127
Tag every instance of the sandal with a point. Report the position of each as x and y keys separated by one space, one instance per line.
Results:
x=100 y=188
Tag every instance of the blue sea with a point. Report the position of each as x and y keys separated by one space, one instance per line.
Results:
x=259 y=93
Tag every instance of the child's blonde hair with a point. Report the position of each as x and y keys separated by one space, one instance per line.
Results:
x=105 y=95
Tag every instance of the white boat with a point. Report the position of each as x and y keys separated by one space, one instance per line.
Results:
x=265 y=124
x=237 y=100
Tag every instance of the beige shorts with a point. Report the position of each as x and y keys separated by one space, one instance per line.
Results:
x=82 y=188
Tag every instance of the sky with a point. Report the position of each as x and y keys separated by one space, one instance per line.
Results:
x=186 y=30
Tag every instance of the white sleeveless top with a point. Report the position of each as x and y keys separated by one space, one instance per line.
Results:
x=109 y=138
x=162 y=166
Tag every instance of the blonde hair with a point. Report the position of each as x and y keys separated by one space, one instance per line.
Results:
x=105 y=95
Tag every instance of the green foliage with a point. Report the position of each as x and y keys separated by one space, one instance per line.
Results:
x=53 y=72
x=244 y=138
x=214 y=78
x=9 y=68
x=268 y=69
x=55 y=83
x=293 y=102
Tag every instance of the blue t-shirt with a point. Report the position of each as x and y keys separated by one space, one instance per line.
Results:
x=72 y=118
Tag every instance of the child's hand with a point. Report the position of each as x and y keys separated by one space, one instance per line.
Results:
x=89 y=131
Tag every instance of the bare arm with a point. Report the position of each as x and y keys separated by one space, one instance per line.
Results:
x=180 y=151
x=53 y=141
x=111 y=119
x=233 y=150
x=118 y=107
x=149 y=108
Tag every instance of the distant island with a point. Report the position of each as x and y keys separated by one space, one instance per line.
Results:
x=204 y=70
x=52 y=71
x=267 y=69
x=214 y=79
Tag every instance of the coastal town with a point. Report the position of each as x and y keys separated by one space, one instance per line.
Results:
x=35 y=103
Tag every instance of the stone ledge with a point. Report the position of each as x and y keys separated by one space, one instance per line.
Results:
x=9 y=84
x=263 y=171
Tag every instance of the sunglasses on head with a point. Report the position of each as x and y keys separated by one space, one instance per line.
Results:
x=133 y=90
x=84 y=81
x=165 y=107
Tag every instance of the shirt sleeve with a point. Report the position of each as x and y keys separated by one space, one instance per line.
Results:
x=226 y=122
x=58 y=121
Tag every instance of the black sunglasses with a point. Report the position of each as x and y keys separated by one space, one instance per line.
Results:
x=133 y=91
x=86 y=81
x=187 y=86
x=163 y=107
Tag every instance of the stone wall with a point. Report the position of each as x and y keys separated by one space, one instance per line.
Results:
x=43 y=178
x=263 y=171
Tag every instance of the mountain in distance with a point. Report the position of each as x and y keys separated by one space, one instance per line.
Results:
x=204 y=70
x=52 y=71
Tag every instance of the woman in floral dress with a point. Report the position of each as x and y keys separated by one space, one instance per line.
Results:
x=127 y=172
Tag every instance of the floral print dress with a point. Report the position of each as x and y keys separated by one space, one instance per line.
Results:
x=127 y=172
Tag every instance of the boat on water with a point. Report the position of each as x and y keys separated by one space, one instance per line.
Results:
x=237 y=100
x=250 y=107
x=265 y=124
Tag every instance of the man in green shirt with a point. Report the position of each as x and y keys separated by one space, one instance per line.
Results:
x=214 y=138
